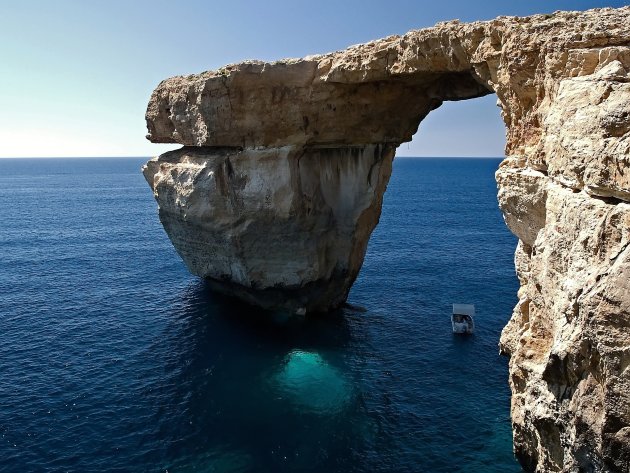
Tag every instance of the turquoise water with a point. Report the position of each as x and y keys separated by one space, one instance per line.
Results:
x=114 y=358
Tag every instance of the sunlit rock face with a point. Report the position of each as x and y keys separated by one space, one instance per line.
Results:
x=278 y=227
x=566 y=198
x=281 y=179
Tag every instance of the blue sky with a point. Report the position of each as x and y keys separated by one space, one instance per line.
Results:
x=75 y=76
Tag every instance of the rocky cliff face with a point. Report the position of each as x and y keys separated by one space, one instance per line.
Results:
x=280 y=183
x=278 y=227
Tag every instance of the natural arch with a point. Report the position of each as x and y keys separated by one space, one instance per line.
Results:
x=280 y=182
x=469 y=128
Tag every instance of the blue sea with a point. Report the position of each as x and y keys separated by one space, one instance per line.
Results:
x=113 y=358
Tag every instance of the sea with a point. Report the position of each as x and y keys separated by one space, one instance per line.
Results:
x=114 y=358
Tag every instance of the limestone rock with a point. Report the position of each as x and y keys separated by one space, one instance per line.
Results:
x=280 y=183
x=280 y=227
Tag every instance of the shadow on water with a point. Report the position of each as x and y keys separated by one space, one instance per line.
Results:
x=464 y=343
x=250 y=388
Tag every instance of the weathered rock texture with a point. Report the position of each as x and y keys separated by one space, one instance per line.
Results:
x=280 y=184
x=278 y=227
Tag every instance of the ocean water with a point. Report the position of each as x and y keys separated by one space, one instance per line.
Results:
x=113 y=358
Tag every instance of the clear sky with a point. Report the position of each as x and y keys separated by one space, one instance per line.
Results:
x=75 y=76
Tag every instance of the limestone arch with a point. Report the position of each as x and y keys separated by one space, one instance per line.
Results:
x=281 y=177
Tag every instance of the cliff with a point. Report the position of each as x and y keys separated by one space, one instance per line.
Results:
x=280 y=182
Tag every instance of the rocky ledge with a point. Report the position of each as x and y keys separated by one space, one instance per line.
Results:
x=280 y=183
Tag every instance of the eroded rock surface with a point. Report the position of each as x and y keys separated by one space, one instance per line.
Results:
x=280 y=183
x=278 y=227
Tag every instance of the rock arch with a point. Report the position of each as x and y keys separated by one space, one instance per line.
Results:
x=280 y=182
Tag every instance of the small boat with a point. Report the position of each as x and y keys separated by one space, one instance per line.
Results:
x=463 y=318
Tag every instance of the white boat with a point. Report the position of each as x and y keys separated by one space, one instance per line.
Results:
x=463 y=318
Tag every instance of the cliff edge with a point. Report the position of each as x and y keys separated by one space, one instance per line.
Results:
x=280 y=181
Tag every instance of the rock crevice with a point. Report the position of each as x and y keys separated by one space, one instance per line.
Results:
x=280 y=181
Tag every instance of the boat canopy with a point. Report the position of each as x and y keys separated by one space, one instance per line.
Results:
x=464 y=309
